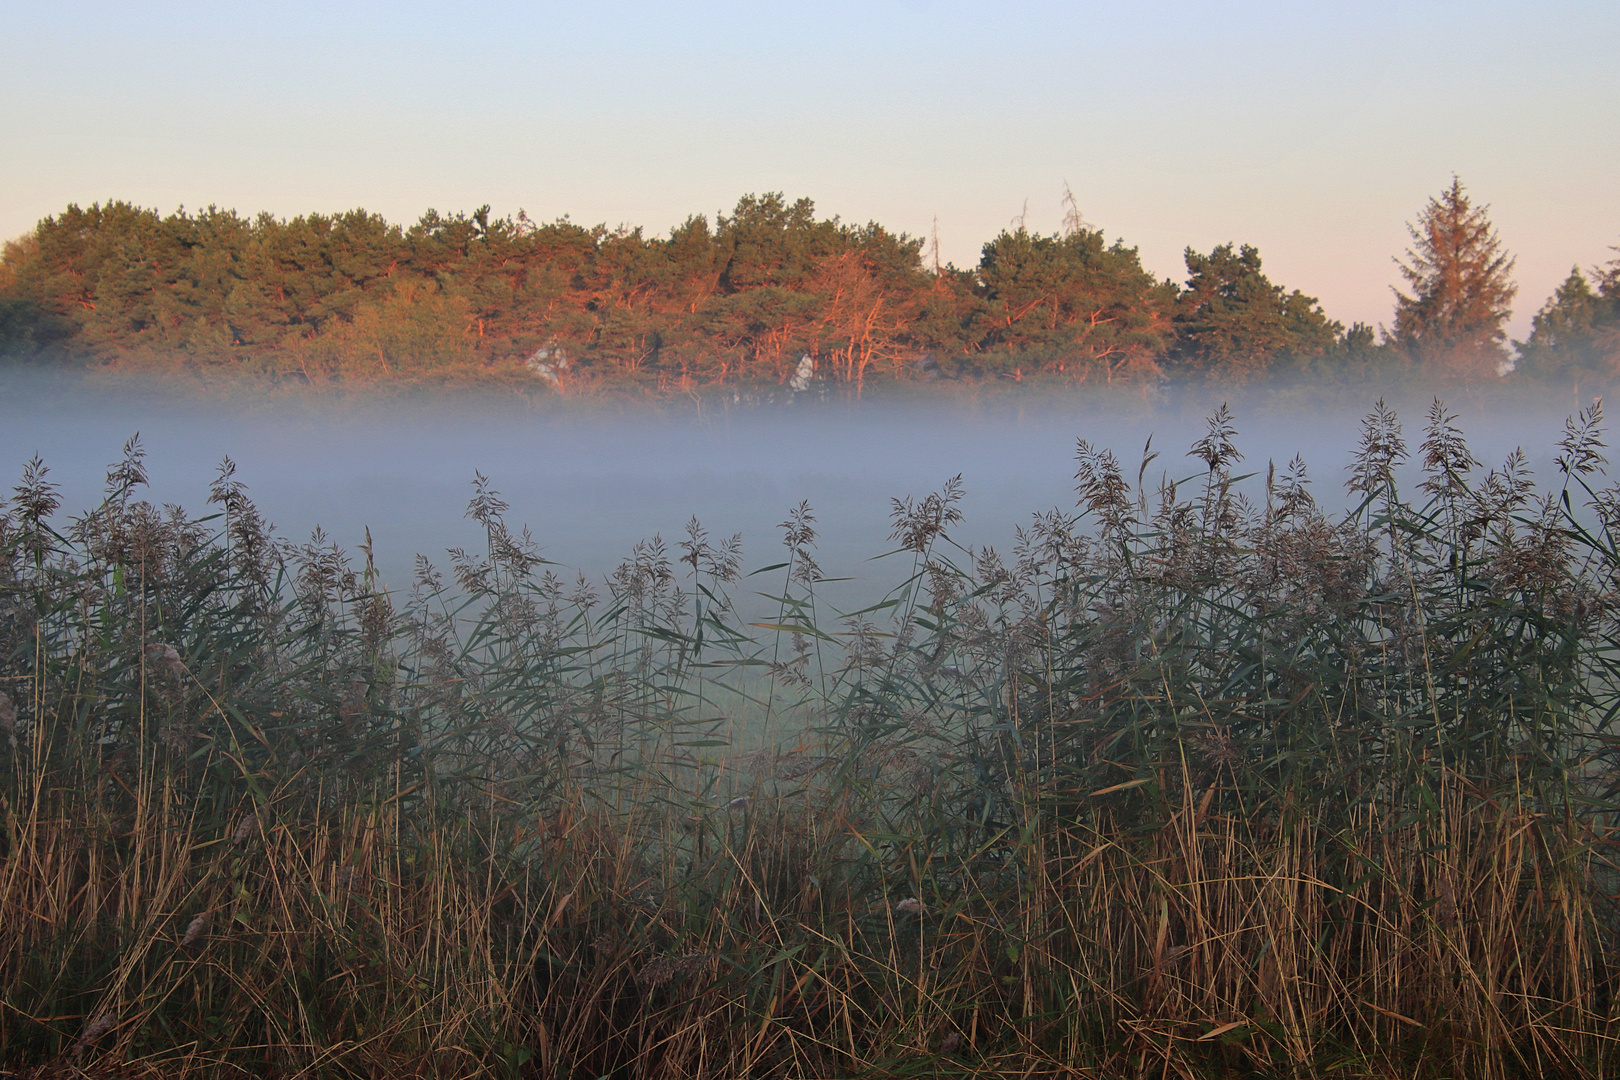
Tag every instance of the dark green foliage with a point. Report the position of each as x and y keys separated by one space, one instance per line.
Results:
x=1234 y=324
x=1576 y=334
x=1056 y=302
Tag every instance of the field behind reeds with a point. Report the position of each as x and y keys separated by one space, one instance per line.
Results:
x=1183 y=785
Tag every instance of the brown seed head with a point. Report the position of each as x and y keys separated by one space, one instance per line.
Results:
x=247 y=827
x=166 y=659
x=194 y=930
x=98 y=1027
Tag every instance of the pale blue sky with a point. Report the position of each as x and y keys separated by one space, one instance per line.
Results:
x=1313 y=131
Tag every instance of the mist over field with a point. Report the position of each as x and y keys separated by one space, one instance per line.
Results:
x=589 y=483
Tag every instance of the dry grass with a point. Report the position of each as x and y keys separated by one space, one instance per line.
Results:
x=1184 y=787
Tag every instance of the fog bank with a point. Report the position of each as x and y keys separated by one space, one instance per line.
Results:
x=589 y=484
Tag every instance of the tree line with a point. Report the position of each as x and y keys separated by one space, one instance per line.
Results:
x=352 y=298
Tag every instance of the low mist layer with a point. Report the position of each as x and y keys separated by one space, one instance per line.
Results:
x=588 y=485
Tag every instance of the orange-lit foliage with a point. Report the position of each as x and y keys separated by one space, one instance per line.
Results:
x=350 y=298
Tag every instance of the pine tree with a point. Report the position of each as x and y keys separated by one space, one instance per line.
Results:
x=1072 y=304
x=1232 y=323
x=1461 y=285
x=1577 y=331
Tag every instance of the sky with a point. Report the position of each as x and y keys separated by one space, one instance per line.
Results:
x=1313 y=131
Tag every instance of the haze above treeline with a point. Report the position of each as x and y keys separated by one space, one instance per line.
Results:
x=351 y=299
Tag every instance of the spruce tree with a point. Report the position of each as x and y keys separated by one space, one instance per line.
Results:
x=1577 y=331
x=1461 y=285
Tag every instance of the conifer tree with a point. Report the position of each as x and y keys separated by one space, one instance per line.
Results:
x=1232 y=323
x=1577 y=331
x=1461 y=285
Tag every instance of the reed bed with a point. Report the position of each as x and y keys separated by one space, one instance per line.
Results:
x=1184 y=785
